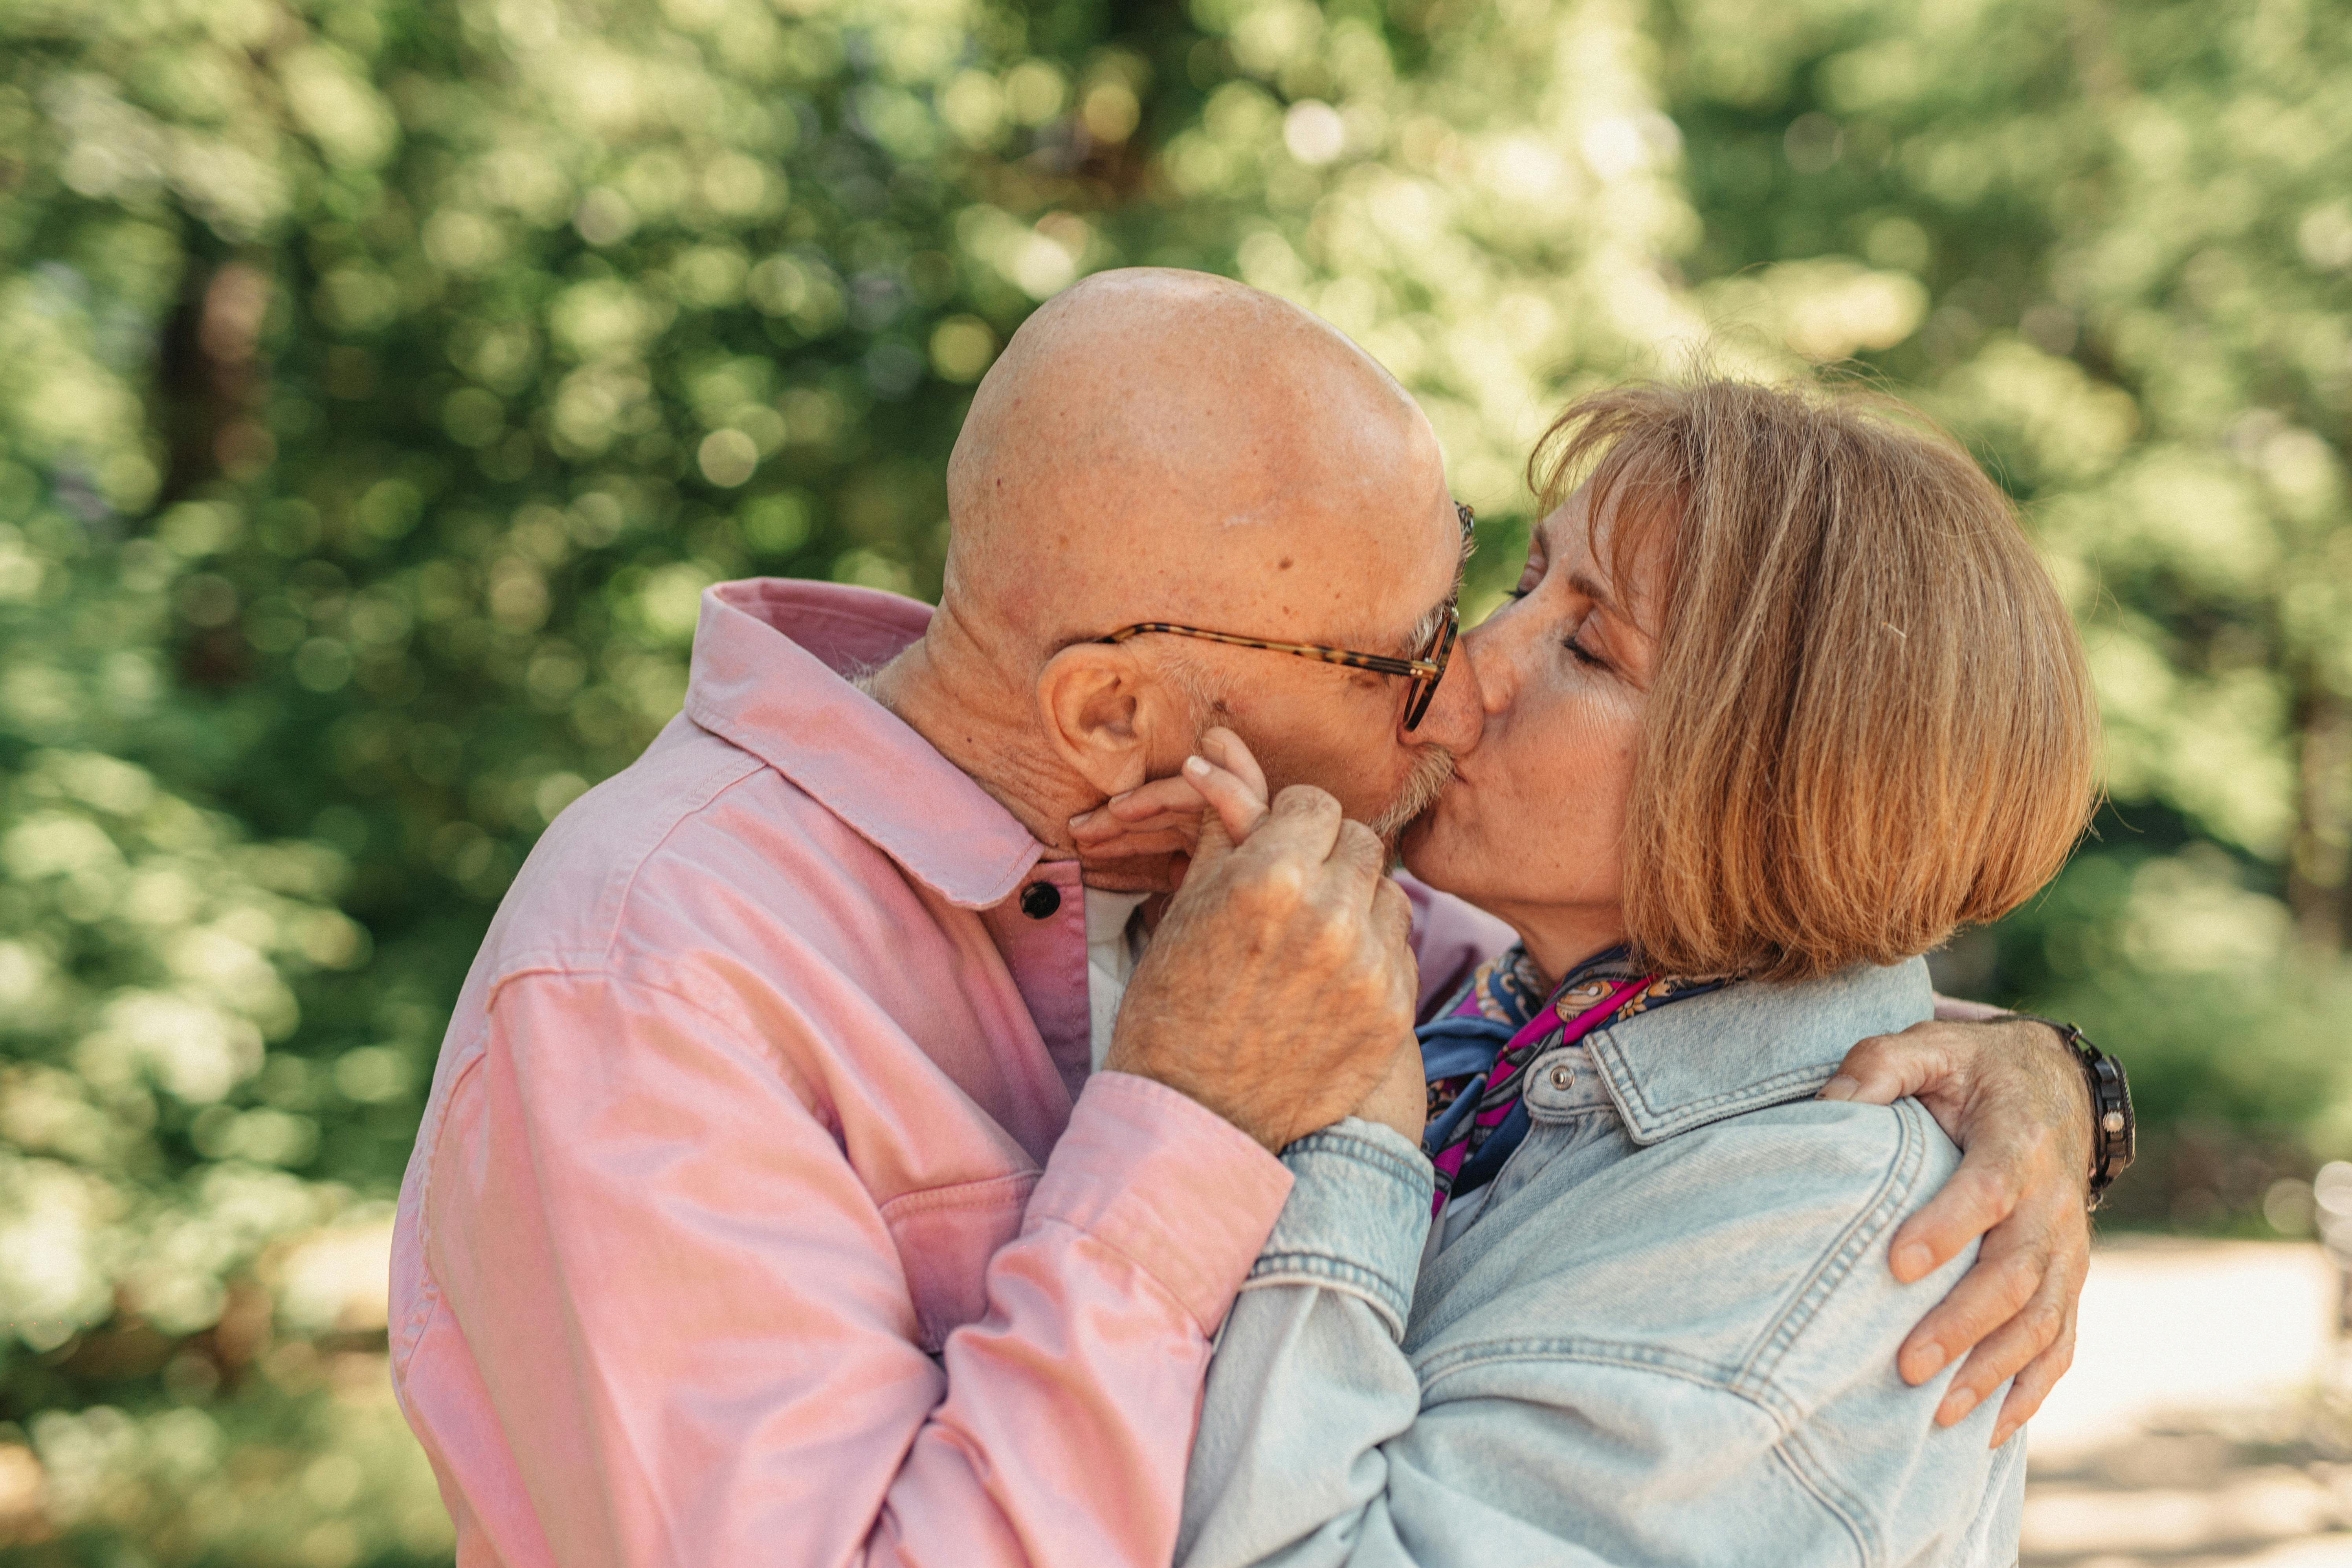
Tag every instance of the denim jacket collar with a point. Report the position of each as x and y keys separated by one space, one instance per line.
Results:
x=1743 y=1048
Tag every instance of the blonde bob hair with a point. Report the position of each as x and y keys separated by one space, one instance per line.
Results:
x=1870 y=721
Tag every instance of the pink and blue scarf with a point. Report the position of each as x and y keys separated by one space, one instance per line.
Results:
x=1476 y=1051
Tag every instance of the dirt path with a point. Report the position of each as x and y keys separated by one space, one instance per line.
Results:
x=2205 y=1425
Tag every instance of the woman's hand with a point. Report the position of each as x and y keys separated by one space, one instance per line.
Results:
x=1282 y=974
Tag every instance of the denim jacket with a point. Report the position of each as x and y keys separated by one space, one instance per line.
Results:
x=1668 y=1335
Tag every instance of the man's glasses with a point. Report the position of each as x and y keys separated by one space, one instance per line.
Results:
x=1424 y=670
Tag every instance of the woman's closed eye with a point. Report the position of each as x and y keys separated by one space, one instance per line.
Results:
x=1574 y=642
x=1580 y=642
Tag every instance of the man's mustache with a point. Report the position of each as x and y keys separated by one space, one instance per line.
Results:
x=1432 y=765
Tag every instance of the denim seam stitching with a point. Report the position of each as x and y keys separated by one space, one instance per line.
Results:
x=1611 y=1353
x=1836 y=1265
x=1813 y=1479
x=1362 y=1150
x=1322 y=1271
x=1626 y=1358
x=1558 y=1115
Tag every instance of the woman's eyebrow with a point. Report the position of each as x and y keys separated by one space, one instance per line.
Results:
x=1585 y=583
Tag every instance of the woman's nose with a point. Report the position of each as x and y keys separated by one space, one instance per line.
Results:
x=1486 y=654
x=1492 y=650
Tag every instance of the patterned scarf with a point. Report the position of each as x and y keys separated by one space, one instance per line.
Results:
x=1476 y=1050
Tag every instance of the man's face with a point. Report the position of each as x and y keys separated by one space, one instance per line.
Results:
x=1343 y=729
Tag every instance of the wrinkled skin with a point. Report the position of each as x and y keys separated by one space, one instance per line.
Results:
x=1156 y=445
x=2010 y=1095
x=1283 y=978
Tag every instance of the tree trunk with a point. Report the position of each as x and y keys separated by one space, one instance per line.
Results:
x=2318 y=889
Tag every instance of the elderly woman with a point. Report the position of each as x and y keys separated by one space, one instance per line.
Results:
x=1782 y=698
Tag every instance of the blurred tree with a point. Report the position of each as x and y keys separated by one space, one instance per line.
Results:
x=387 y=378
x=381 y=380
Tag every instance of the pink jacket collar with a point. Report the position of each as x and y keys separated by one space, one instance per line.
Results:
x=770 y=658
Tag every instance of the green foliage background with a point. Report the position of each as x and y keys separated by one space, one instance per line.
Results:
x=381 y=380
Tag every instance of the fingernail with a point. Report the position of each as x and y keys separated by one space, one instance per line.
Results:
x=1913 y=1262
x=1840 y=1087
x=1084 y=817
x=2006 y=1430
x=1196 y=766
x=1957 y=1404
x=1924 y=1362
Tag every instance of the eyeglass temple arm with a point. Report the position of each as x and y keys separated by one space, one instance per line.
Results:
x=1378 y=663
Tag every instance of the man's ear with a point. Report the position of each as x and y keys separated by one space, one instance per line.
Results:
x=1108 y=714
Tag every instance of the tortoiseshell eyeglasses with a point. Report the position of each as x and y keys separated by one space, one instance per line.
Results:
x=1424 y=670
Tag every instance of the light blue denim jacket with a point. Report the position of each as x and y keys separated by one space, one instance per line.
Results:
x=1668 y=1337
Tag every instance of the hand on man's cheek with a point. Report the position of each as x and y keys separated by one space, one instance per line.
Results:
x=1279 y=988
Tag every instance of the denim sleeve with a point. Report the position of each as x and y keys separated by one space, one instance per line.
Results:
x=1308 y=1381
x=1306 y=1453
x=1355 y=1222
x=1551 y=1435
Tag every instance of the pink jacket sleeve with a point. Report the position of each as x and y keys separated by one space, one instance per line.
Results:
x=693 y=1330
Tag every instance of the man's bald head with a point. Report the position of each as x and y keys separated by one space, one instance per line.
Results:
x=1156 y=444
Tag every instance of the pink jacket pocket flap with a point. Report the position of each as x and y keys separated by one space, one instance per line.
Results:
x=945 y=1237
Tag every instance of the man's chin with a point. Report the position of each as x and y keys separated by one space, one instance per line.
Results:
x=1420 y=845
x=1411 y=842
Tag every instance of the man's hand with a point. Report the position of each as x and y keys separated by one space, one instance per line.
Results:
x=2009 y=1094
x=1400 y=1100
x=1281 y=982
x=1143 y=841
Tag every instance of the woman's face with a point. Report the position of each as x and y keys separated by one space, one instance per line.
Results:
x=1530 y=828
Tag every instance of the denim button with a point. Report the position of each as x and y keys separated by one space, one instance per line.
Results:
x=1563 y=1076
x=1040 y=899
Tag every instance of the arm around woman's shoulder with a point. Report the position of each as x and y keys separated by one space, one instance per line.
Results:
x=1682 y=1357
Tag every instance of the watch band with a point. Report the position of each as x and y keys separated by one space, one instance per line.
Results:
x=2115 y=1133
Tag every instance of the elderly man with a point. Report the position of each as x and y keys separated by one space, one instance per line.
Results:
x=788 y=1193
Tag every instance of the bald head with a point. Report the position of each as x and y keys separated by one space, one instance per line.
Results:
x=1163 y=446
x=1156 y=446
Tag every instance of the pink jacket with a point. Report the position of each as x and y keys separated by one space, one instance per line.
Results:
x=765 y=1211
